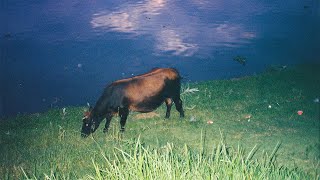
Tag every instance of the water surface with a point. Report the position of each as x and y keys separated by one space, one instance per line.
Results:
x=55 y=54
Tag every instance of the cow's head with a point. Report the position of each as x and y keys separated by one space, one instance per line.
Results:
x=89 y=124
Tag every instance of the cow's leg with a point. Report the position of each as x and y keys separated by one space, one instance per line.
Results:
x=178 y=103
x=123 y=113
x=169 y=105
x=108 y=119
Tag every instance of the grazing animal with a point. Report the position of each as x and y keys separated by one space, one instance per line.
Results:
x=142 y=93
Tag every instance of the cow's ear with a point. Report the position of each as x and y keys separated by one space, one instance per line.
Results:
x=86 y=115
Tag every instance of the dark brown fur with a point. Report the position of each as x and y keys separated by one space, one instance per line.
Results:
x=142 y=93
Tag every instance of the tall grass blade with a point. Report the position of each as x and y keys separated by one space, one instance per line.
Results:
x=251 y=153
x=273 y=154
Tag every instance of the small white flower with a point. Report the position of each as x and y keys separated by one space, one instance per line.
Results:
x=210 y=122
x=269 y=106
x=64 y=111
x=192 y=119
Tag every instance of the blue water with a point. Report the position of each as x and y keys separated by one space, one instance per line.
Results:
x=61 y=53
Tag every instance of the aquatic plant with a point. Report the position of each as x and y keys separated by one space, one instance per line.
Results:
x=240 y=59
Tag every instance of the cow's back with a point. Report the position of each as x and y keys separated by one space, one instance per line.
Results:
x=146 y=92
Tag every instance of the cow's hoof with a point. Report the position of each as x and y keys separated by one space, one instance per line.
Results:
x=84 y=135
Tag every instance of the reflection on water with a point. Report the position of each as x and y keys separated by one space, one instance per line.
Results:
x=129 y=18
x=63 y=53
x=182 y=31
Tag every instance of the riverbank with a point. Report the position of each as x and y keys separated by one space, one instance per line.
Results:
x=272 y=117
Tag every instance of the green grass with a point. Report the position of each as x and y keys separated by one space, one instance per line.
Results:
x=274 y=143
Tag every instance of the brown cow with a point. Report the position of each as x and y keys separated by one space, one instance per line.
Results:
x=142 y=93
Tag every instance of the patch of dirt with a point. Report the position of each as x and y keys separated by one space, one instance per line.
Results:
x=146 y=115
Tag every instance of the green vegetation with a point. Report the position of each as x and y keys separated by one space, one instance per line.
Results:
x=246 y=128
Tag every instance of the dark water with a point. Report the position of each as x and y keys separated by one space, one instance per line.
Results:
x=59 y=53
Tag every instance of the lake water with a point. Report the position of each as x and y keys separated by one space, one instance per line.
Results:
x=61 y=53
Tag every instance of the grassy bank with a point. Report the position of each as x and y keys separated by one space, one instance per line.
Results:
x=239 y=128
